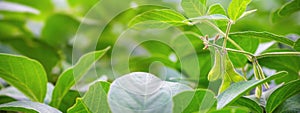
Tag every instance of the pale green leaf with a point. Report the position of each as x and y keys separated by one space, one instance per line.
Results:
x=142 y=92
x=159 y=18
x=281 y=94
x=28 y=107
x=67 y=79
x=202 y=100
x=14 y=7
x=79 y=107
x=194 y=8
x=237 y=8
x=246 y=13
x=237 y=90
x=25 y=74
x=216 y=9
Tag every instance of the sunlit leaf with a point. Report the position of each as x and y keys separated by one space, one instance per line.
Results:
x=194 y=8
x=237 y=8
x=19 y=72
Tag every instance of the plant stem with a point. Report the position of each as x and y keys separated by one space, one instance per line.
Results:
x=234 y=50
x=226 y=35
x=272 y=54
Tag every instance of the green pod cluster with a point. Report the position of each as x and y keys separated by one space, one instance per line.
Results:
x=218 y=69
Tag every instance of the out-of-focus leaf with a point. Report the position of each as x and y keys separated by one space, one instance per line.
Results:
x=237 y=8
x=291 y=105
x=246 y=102
x=202 y=100
x=157 y=17
x=19 y=72
x=289 y=8
x=67 y=79
x=282 y=94
x=297 y=45
x=44 y=6
x=94 y=101
x=194 y=8
x=216 y=9
x=237 y=90
x=142 y=92
x=6 y=99
x=58 y=29
x=142 y=64
x=264 y=35
x=28 y=107
x=13 y=7
x=82 y=7
x=35 y=49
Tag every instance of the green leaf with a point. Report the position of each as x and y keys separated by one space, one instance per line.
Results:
x=291 y=105
x=264 y=35
x=209 y=17
x=246 y=102
x=13 y=7
x=237 y=90
x=194 y=8
x=248 y=13
x=159 y=17
x=79 y=107
x=237 y=8
x=216 y=9
x=28 y=107
x=289 y=8
x=19 y=72
x=202 y=100
x=68 y=101
x=139 y=91
x=82 y=7
x=281 y=94
x=282 y=63
x=44 y=6
x=94 y=101
x=297 y=45
x=58 y=29
x=67 y=79
x=232 y=110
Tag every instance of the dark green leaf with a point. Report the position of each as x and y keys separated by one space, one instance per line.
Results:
x=289 y=8
x=68 y=101
x=194 y=8
x=291 y=105
x=67 y=79
x=58 y=29
x=246 y=102
x=94 y=101
x=237 y=8
x=19 y=72
x=28 y=107
x=281 y=94
x=35 y=49
x=202 y=100
x=237 y=90
x=79 y=107
x=297 y=45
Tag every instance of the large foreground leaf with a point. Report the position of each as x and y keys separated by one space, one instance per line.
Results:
x=142 y=92
x=25 y=74
x=67 y=79
x=281 y=94
x=28 y=107
x=237 y=90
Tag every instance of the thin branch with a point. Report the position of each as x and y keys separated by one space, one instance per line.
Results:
x=272 y=54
